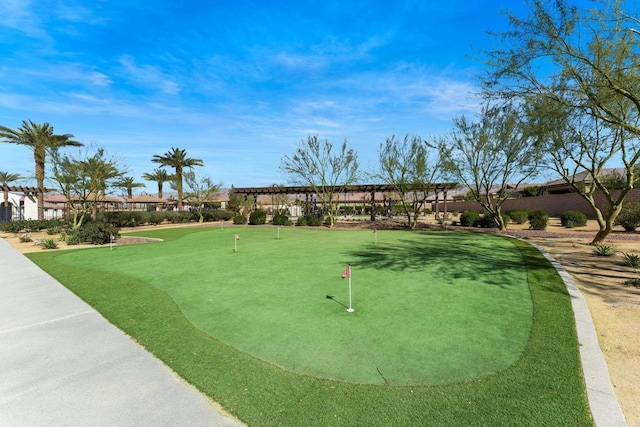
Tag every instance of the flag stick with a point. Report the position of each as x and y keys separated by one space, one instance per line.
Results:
x=278 y=233
x=350 y=309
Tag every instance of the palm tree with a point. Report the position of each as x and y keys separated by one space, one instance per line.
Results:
x=160 y=176
x=177 y=159
x=5 y=179
x=128 y=183
x=41 y=139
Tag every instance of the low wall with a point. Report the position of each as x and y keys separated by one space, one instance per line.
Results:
x=553 y=204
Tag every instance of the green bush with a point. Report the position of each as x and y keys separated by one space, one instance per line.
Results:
x=178 y=217
x=538 y=220
x=531 y=191
x=571 y=219
x=96 y=233
x=239 y=219
x=54 y=230
x=631 y=259
x=122 y=218
x=28 y=225
x=49 y=244
x=633 y=282
x=519 y=216
x=72 y=240
x=486 y=221
x=469 y=218
x=212 y=215
x=310 y=220
x=280 y=219
x=604 y=250
x=152 y=217
x=258 y=217
x=629 y=217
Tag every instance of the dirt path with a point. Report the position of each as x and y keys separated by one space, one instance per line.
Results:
x=614 y=307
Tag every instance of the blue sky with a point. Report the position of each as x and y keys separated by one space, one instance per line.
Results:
x=239 y=83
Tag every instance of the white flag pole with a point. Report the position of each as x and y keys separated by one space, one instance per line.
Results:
x=350 y=309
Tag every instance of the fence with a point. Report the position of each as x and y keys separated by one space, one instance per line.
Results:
x=553 y=204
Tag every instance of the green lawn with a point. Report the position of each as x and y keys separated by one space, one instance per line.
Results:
x=449 y=328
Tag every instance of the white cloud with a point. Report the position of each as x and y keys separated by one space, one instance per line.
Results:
x=19 y=15
x=149 y=76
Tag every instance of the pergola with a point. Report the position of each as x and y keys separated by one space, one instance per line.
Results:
x=27 y=191
x=372 y=189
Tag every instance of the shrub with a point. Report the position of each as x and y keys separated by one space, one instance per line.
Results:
x=97 y=233
x=571 y=219
x=538 y=220
x=280 y=219
x=604 y=250
x=486 y=221
x=633 y=282
x=152 y=217
x=631 y=259
x=629 y=217
x=72 y=240
x=311 y=220
x=519 y=216
x=531 y=191
x=177 y=217
x=211 y=215
x=25 y=238
x=258 y=217
x=239 y=219
x=122 y=218
x=28 y=225
x=469 y=218
x=49 y=244
x=53 y=230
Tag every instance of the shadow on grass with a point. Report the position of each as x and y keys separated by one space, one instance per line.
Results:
x=449 y=256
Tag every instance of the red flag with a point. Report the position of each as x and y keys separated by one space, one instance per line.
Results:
x=236 y=236
x=347 y=271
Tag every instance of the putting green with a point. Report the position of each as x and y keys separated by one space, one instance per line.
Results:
x=431 y=307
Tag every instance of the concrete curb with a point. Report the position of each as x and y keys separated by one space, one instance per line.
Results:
x=604 y=405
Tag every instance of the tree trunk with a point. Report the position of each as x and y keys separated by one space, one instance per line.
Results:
x=179 y=187
x=39 y=157
x=606 y=224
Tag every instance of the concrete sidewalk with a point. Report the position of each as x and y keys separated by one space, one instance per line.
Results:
x=62 y=363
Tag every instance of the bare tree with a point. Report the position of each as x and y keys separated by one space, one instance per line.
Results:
x=490 y=155
x=201 y=192
x=411 y=167
x=327 y=172
x=584 y=63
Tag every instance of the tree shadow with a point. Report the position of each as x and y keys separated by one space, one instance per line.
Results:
x=455 y=258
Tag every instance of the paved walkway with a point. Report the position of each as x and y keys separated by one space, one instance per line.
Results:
x=62 y=363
